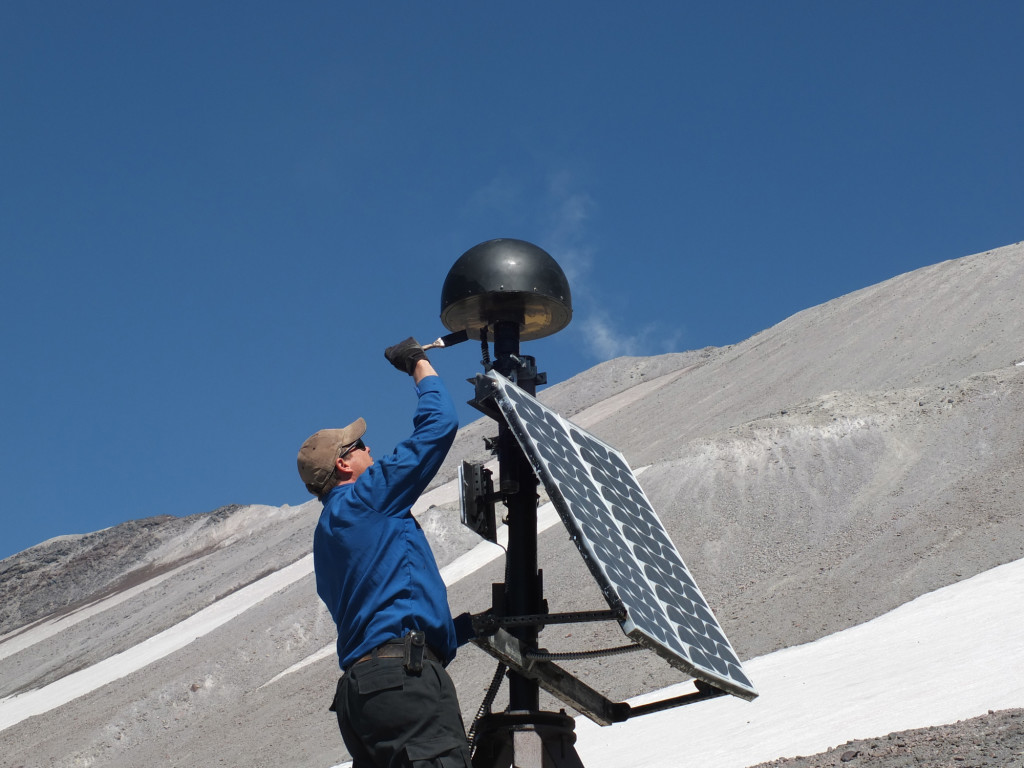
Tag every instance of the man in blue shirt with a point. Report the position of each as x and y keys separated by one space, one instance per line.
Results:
x=395 y=703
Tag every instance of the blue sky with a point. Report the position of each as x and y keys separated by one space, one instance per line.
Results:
x=215 y=216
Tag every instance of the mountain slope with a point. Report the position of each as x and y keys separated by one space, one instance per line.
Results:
x=815 y=476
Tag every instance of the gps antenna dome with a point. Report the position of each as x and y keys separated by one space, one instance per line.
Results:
x=506 y=280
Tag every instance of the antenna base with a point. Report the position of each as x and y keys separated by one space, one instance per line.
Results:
x=526 y=740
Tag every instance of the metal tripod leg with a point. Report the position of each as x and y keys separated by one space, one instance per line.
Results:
x=526 y=740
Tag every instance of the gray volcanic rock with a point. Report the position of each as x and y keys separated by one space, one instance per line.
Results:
x=826 y=470
x=995 y=740
x=597 y=387
x=165 y=569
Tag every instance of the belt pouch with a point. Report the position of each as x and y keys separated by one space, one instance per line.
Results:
x=415 y=644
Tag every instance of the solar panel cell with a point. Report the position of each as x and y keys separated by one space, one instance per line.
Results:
x=622 y=540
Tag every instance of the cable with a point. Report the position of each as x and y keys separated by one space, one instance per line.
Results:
x=485 y=705
x=486 y=361
x=580 y=655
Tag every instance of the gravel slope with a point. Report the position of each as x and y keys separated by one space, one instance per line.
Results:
x=817 y=475
x=991 y=741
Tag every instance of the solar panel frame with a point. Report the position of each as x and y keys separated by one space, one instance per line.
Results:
x=623 y=542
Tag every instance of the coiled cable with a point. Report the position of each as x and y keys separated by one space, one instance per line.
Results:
x=485 y=705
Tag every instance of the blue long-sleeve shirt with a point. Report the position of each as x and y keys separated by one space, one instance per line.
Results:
x=374 y=568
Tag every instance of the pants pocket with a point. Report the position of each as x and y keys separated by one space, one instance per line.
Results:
x=374 y=680
x=437 y=753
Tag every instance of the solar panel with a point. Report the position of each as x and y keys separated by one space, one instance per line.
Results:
x=623 y=541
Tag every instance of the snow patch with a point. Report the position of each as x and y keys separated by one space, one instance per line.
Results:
x=946 y=656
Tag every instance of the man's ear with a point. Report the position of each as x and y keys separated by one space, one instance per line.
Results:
x=341 y=466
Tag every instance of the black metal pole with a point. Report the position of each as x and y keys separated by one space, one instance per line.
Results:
x=523 y=588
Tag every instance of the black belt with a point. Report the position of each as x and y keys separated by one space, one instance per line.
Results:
x=412 y=648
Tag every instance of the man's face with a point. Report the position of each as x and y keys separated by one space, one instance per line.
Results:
x=358 y=459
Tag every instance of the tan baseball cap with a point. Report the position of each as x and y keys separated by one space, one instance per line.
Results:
x=318 y=454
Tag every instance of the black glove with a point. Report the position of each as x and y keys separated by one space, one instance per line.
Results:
x=464 y=629
x=405 y=354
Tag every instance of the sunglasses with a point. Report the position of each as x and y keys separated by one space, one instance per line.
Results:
x=358 y=445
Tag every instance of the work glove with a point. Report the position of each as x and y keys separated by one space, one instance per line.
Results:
x=464 y=629
x=405 y=354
